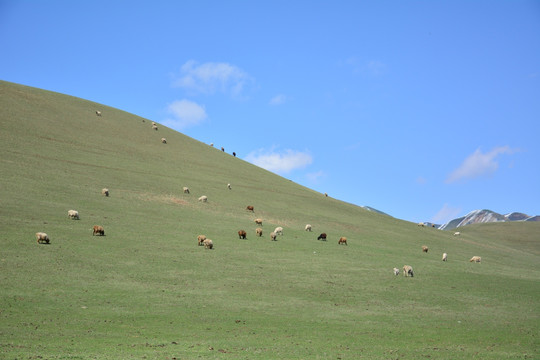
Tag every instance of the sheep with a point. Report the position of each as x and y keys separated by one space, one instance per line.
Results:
x=396 y=271
x=163 y=140
x=342 y=240
x=273 y=236
x=408 y=270
x=476 y=259
x=422 y=224
x=258 y=221
x=186 y=190
x=322 y=237
x=154 y=123
x=425 y=248
x=98 y=229
x=229 y=186
x=222 y=149
x=208 y=244
x=154 y=127
x=105 y=191
x=234 y=154
x=444 y=257
x=242 y=234
x=212 y=144
x=203 y=198
x=259 y=232
x=42 y=238
x=457 y=233
x=326 y=194
x=278 y=230
x=308 y=227
x=250 y=208
x=98 y=113
x=200 y=239
x=73 y=214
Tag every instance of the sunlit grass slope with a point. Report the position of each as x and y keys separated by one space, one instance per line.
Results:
x=146 y=290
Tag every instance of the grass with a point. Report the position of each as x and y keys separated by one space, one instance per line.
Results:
x=146 y=290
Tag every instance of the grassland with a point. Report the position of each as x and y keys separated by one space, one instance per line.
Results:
x=146 y=290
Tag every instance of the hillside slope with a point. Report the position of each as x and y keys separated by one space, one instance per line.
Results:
x=147 y=290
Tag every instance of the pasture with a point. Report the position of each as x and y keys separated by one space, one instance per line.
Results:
x=146 y=290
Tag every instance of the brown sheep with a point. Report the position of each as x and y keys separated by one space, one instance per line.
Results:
x=208 y=244
x=250 y=208
x=322 y=237
x=342 y=240
x=258 y=221
x=476 y=259
x=200 y=239
x=408 y=271
x=42 y=238
x=273 y=236
x=425 y=249
x=242 y=234
x=98 y=229
x=259 y=232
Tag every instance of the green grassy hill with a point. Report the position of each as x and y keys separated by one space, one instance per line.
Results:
x=146 y=290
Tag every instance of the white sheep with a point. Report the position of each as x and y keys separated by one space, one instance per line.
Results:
x=408 y=270
x=396 y=271
x=208 y=244
x=229 y=186
x=457 y=233
x=308 y=227
x=154 y=127
x=98 y=113
x=258 y=221
x=200 y=239
x=259 y=232
x=163 y=140
x=42 y=238
x=105 y=191
x=444 y=257
x=476 y=259
x=203 y=198
x=273 y=236
x=73 y=214
x=186 y=190
x=278 y=230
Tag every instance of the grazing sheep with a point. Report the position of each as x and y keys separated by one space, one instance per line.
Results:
x=342 y=240
x=73 y=214
x=444 y=257
x=259 y=232
x=186 y=190
x=42 y=238
x=425 y=249
x=396 y=271
x=258 y=221
x=203 y=198
x=163 y=140
x=322 y=237
x=325 y=194
x=229 y=186
x=98 y=113
x=273 y=236
x=154 y=127
x=105 y=191
x=208 y=244
x=154 y=123
x=408 y=270
x=250 y=208
x=200 y=239
x=212 y=144
x=98 y=229
x=242 y=234
x=278 y=231
x=421 y=224
x=457 y=233
x=308 y=227
x=222 y=149
x=234 y=154
x=476 y=259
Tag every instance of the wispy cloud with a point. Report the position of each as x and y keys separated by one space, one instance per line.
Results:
x=211 y=77
x=446 y=214
x=184 y=113
x=278 y=99
x=279 y=162
x=479 y=164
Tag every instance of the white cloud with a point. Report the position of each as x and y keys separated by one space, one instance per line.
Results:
x=278 y=99
x=184 y=113
x=478 y=164
x=446 y=214
x=210 y=77
x=279 y=162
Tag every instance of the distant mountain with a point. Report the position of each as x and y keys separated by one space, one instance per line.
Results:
x=486 y=216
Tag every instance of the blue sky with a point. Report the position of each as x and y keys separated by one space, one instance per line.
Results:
x=425 y=110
